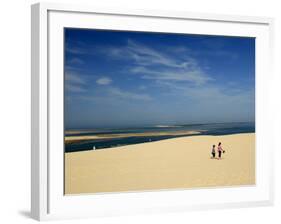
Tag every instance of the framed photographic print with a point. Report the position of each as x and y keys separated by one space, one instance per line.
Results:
x=148 y=111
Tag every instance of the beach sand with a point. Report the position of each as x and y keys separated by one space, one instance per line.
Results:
x=183 y=162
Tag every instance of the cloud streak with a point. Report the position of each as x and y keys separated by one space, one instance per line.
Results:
x=156 y=65
x=76 y=61
x=113 y=94
x=74 y=82
x=176 y=64
x=104 y=81
x=193 y=76
x=117 y=92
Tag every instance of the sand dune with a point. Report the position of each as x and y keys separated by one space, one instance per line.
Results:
x=182 y=162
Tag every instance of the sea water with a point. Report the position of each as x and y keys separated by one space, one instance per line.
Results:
x=204 y=129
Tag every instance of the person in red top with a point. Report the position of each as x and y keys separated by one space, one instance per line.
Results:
x=220 y=150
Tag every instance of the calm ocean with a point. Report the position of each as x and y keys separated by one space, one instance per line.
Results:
x=205 y=129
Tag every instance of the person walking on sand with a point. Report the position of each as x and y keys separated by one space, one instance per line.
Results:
x=214 y=152
x=220 y=150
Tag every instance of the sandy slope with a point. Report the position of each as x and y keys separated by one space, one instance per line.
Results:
x=182 y=162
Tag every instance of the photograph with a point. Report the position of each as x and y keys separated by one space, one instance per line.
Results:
x=150 y=111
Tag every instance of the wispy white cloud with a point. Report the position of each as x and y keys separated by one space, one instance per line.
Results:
x=111 y=94
x=142 y=87
x=104 y=81
x=117 y=92
x=74 y=82
x=211 y=95
x=143 y=55
x=75 y=61
x=157 y=65
x=76 y=50
x=73 y=77
x=195 y=76
x=174 y=63
x=74 y=88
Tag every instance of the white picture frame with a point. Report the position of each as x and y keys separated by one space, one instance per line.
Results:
x=48 y=201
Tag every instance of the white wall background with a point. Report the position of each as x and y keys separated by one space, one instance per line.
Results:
x=15 y=110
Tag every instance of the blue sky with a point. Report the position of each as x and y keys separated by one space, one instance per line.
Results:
x=122 y=79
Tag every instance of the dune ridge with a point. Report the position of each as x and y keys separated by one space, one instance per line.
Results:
x=183 y=162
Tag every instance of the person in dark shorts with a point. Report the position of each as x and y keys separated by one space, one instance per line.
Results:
x=214 y=152
x=220 y=150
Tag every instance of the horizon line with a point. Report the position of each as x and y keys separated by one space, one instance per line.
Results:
x=154 y=125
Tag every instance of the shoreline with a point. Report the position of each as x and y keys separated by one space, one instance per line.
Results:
x=175 y=136
x=72 y=139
